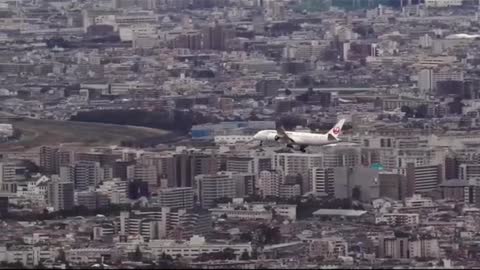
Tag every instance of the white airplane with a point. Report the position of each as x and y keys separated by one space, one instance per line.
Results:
x=301 y=140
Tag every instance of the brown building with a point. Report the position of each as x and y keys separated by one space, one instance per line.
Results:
x=182 y=168
x=52 y=158
x=422 y=179
x=392 y=185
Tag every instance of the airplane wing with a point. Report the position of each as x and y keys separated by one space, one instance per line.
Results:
x=340 y=143
x=283 y=135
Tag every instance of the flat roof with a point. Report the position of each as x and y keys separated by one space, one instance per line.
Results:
x=339 y=212
x=455 y=183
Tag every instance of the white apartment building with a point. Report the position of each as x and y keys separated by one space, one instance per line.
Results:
x=146 y=173
x=329 y=248
x=269 y=183
x=34 y=191
x=428 y=78
x=115 y=190
x=127 y=33
x=417 y=201
x=232 y=139
x=176 y=197
x=424 y=248
x=87 y=256
x=290 y=191
x=61 y=194
x=240 y=164
x=10 y=175
x=28 y=256
x=469 y=172
x=443 y=3
x=214 y=186
x=256 y=211
x=322 y=180
x=298 y=163
x=193 y=248
x=308 y=51
x=398 y=219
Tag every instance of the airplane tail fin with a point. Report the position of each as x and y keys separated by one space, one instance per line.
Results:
x=281 y=131
x=336 y=130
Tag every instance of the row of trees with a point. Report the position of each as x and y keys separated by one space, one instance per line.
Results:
x=181 y=122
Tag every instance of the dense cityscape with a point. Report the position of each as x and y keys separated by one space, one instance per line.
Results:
x=172 y=134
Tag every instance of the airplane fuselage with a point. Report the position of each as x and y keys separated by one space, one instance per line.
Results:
x=299 y=138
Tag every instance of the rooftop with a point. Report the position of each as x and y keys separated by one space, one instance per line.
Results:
x=339 y=212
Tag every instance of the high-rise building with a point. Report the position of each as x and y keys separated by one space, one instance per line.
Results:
x=425 y=80
x=176 y=197
x=189 y=40
x=392 y=185
x=262 y=163
x=422 y=179
x=181 y=168
x=105 y=157
x=52 y=158
x=60 y=194
x=341 y=157
x=180 y=171
x=290 y=191
x=138 y=189
x=359 y=183
x=48 y=159
x=116 y=190
x=67 y=173
x=146 y=173
x=88 y=174
x=165 y=222
x=215 y=37
x=124 y=170
x=269 y=183
x=428 y=78
x=395 y=247
x=11 y=173
x=91 y=199
x=214 y=186
x=469 y=171
x=184 y=223
x=203 y=163
x=240 y=164
x=298 y=164
x=424 y=247
x=322 y=180
x=245 y=184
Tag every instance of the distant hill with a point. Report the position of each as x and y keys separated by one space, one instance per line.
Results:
x=36 y=132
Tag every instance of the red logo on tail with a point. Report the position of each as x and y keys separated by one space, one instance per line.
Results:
x=336 y=131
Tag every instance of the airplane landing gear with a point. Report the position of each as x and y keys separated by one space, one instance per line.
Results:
x=303 y=149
